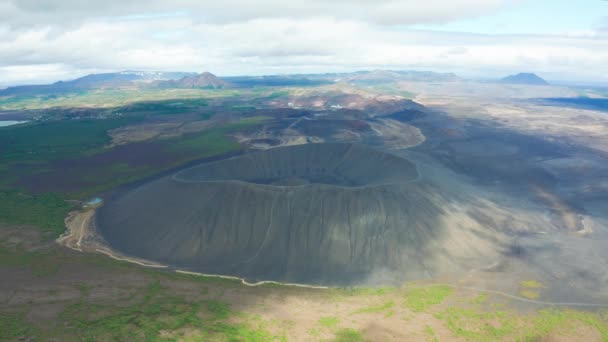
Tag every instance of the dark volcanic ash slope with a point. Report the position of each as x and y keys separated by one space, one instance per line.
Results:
x=345 y=165
x=315 y=213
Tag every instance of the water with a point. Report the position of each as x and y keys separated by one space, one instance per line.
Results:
x=4 y=123
x=94 y=201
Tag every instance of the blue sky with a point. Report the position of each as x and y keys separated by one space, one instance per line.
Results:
x=533 y=17
x=49 y=40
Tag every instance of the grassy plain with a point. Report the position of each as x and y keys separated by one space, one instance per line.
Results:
x=109 y=98
x=53 y=293
x=46 y=211
x=122 y=97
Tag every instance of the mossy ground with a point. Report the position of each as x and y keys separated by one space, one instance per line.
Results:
x=421 y=298
x=103 y=299
x=530 y=289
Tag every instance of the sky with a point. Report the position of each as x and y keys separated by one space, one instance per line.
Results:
x=561 y=40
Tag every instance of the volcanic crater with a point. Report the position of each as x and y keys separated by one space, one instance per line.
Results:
x=331 y=213
x=344 y=165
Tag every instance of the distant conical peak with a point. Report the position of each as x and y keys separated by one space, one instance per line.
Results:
x=524 y=78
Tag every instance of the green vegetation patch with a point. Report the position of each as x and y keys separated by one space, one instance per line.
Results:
x=530 y=289
x=14 y=326
x=95 y=179
x=213 y=141
x=480 y=299
x=479 y=326
x=532 y=284
x=240 y=332
x=106 y=98
x=428 y=330
x=31 y=150
x=385 y=307
x=158 y=316
x=348 y=335
x=166 y=107
x=491 y=326
x=219 y=310
x=421 y=298
x=556 y=321
x=56 y=139
x=40 y=263
x=46 y=211
x=206 y=143
x=329 y=322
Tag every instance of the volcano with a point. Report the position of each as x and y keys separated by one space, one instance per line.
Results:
x=333 y=214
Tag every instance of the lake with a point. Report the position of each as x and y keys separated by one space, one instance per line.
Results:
x=4 y=123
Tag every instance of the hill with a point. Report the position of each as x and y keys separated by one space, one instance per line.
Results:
x=337 y=214
x=203 y=80
x=93 y=81
x=364 y=77
x=524 y=78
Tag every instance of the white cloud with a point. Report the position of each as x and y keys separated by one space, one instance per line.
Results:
x=62 y=12
x=74 y=37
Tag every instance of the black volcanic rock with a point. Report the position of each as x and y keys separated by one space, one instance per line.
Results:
x=524 y=78
x=316 y=213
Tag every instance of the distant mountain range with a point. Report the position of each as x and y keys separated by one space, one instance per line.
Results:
x=207 y=80
x=383 y=76
x=524 y=78
x=366 y=77
x=94 y=81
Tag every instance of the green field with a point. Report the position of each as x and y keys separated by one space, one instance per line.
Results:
x=108 y=98
x=46 y=211
x=118 y=301
x=138 y=97
x=42 y=164
x=40 y=142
